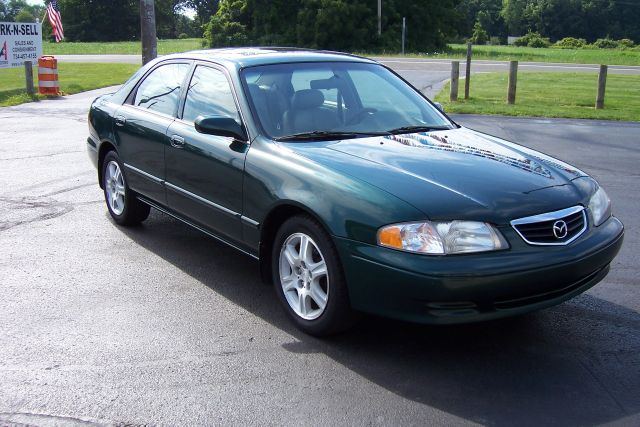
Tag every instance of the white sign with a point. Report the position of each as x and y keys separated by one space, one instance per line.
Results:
x=19 y=42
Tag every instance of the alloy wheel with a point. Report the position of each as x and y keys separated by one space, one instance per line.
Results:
x=114 y=186
x=304 y=276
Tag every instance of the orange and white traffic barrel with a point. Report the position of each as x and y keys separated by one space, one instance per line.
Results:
x=48 y=76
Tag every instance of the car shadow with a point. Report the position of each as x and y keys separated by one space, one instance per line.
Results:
x=575 y=364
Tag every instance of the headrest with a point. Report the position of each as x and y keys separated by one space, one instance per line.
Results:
x=306 y=99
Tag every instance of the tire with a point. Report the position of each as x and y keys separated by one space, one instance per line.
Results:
x=316 y=299
x=124 y=207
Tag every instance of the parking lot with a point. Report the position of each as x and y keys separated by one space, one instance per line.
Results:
x=162 y=325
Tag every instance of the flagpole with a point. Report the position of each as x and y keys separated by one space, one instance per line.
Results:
x=44 y=16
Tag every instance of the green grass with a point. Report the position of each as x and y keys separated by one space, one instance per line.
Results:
x=73 y=77
x=529 y=54
x=114 y=48
x=570 y=95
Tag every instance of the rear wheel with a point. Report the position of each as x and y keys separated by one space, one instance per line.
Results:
x=124 y=207
x=308 y=278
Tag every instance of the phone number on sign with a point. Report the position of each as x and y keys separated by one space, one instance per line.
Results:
x=17 y=56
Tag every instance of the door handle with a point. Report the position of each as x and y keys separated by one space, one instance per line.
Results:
x=121 y=120
x=177 y=141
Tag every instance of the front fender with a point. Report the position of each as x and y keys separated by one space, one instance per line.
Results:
x=347 y=206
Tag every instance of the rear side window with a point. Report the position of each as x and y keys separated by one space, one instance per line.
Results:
x=209 y=95
x=160 y=90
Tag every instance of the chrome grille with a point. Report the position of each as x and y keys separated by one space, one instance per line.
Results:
x=539 y=229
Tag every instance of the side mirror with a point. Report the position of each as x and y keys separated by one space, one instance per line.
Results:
x=221 y=126
x=439 y=106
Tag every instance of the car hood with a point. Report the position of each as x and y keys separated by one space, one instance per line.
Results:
x=455 y=174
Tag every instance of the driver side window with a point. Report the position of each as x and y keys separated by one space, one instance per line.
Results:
x=160 y=90
x=209 y=94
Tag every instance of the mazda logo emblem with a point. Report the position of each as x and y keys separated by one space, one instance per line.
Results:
x=560 y=229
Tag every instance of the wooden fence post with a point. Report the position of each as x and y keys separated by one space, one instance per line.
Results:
x=467 y=81
x=513 y=80
x=455 y=77
x=602 y=83
x=28 y=76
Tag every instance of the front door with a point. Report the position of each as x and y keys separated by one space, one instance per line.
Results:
x=204 y=172
x=141 y=124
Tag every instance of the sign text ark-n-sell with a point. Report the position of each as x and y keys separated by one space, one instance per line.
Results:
x=19 y=42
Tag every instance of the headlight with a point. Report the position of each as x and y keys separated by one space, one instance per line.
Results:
x=441 y=238
x=600 y=207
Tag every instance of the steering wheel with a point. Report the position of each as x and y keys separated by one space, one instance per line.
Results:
x=360 y=115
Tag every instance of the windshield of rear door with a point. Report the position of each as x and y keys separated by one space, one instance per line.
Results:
x=334 y=97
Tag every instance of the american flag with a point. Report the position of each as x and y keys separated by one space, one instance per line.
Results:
x=53 y=13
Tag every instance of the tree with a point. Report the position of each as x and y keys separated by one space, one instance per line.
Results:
x=167 y=12
x=485 y=11
x=205 y=9
x=13 y=9
x=335 y=25
x=588 y=19
x=513 y=15
x=274 y=22
x=479 y=36
x=3 y=11
x=97 y=20
x=186 y=26
x=25 y=16
x=430 y=23
x=228 y=27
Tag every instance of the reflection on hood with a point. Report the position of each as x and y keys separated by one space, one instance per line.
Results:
x=473 y=145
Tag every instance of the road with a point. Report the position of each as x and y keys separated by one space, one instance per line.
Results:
x=161 y=325
x=433 y=64
x=428 y=75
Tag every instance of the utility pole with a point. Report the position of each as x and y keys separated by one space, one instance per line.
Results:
x=379 y=18
x=148 y=31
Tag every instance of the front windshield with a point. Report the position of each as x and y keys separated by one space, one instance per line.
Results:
x=336 y=97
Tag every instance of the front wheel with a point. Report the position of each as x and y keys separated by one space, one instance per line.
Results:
x=308 y=278
x=124 y=207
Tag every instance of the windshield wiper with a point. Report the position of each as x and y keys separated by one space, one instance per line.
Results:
x=418 y=128
x=319 y=135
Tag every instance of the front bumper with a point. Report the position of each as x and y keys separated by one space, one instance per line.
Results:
x=474 y=287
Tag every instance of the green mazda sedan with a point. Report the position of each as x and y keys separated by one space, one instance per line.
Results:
x=353 y=190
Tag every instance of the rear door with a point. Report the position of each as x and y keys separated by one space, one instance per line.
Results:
x=204 y=172
x=141 y=124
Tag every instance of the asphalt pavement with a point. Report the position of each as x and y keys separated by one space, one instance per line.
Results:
x=162 y=325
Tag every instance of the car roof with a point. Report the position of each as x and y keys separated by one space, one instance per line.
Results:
x=252 y=56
